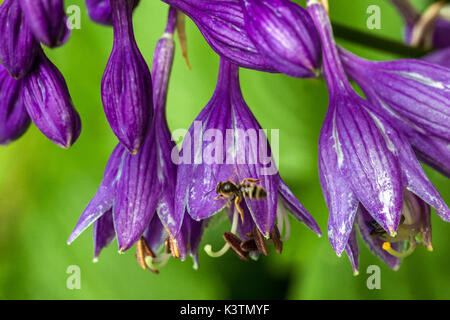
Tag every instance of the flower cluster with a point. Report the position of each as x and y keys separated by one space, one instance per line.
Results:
x=161 y=198
x=32 y=87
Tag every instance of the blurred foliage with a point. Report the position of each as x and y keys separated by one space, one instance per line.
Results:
x=43 y=189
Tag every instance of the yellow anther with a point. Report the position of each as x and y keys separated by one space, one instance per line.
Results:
x=388 y=248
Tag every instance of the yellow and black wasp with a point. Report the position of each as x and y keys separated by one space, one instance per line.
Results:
x=237 y=192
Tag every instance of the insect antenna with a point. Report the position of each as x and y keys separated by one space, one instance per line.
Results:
x=215 y=183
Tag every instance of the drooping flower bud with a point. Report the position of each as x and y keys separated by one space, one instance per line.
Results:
x=222 y=24
x=14 y=119
x=48 y=102
x=284 y=35
x=47 y=20
x=17 y=44
x=100 y=11
x=127 y=84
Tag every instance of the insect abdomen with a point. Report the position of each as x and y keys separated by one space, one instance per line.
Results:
x=253 y=191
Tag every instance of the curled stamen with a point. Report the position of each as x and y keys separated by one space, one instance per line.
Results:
x=387 y=247
x=221 y=252
x=156 y=263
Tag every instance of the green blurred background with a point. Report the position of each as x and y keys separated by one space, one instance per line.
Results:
x=43 y=189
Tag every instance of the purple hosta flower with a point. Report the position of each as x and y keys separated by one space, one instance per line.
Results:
x=284 y=34
x=14 y=119
x=129 y=192
x=48 y=103
x=100 y=11
x=415 y=96
x=221 y=153
x=135 y=199
x=162 y=67
x=47 y=20
x=127 y=84
x=222 y=24
x=368 y=170
x=17 y=44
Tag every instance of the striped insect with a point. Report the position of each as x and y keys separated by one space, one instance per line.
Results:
x=237 y=192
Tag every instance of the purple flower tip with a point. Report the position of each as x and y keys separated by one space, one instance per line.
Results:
x=284 y=35
x=47 y=20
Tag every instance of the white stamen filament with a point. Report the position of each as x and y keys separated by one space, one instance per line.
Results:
x=158 y=262
x=221 y=252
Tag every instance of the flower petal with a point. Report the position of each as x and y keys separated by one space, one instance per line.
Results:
x=103 y=233
x=363 y=219
x=440 y=57
x=352 y=250
x=222 y=24
x=369 y=162
x=138 y=192
x=263 y=211
x=104 y=198
x=341 y=200
x=155 y=234
x=416 y=179
x=296 y=208
x=284 y=35
x=415 y=90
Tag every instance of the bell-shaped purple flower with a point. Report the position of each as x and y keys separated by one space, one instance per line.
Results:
x=415 y=96
x=130 y=191
x=14 y=119
x=48 y=103
x=226 y=151
x=100 y=11
x=47 y=20
x=18 y=47
x=222 y=24
x=135 y=199
x=284 y=34
x=365 y=164
x=127 y=84
x=161 y=70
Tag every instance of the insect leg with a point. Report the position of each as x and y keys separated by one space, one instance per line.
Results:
x=238 y=207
